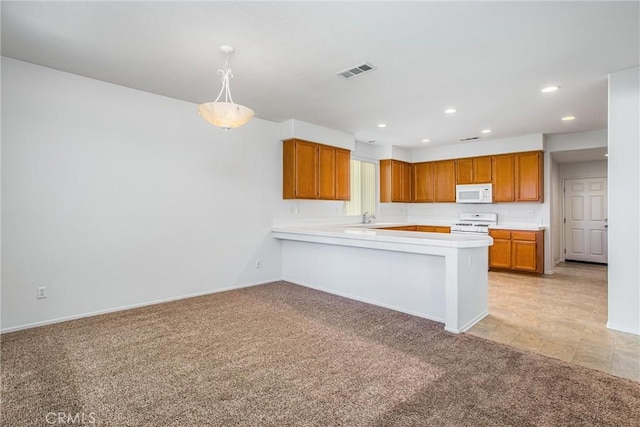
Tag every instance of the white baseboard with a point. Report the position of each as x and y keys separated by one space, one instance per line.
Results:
x=129 y=307
x=622 y=329
x=469 y=324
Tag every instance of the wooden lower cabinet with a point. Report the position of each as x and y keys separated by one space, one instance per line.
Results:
x=423 y=228
x=434 y=229
x=400 y=228
x=500 y=252
x=517 y=250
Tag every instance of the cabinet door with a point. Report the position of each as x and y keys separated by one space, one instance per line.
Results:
x=503 y=178
x=289 y=169
x=385 y=181
x=306 y=170
x=423 y=182
x=445 y=181
x=343 y=174
x=406 y=182
x=482 y=170
x=524 y=254
x=500 y=253
x=397 y=190
x=464 y=171
x=528 y=176
x=326 y=172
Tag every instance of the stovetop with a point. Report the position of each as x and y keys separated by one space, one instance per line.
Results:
x=472 y=222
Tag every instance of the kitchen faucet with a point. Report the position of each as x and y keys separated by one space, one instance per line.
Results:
x=367 y=219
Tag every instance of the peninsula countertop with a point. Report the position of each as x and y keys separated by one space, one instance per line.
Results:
x=373 y=233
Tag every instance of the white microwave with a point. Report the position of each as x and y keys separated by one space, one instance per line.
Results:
x=474 y=193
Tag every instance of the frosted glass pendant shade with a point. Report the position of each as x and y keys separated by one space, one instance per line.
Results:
x=225 y=115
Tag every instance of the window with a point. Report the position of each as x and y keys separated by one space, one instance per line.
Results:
x=363 y=188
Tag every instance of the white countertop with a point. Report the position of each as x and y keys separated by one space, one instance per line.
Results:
x=370 y=232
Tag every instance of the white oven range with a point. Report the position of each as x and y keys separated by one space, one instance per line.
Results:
x=474 y=223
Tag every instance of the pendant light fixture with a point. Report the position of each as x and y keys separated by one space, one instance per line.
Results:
x=225 y=114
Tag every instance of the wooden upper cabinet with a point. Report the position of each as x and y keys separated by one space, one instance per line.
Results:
x=423 y=182
x=385 y=181
x=314 y=171
x=516 y=177
x=343 y=174
x=326 y=172
x=397 y=188
x=406 y=182
x=305 y=185
x=395 y=181
x=503 y=176
x=482 y=170
x=464 y=171
x=444 y=181
x=529 y=176
x=474 y=170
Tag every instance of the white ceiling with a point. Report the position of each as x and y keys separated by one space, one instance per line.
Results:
x=487 y=59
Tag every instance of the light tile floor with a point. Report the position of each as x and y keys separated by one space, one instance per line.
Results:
x=562 y=315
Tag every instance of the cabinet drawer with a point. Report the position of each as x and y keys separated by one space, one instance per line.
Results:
x=524 y=235
x=500 y=234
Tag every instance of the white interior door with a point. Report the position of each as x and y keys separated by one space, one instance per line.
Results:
x=585 y=207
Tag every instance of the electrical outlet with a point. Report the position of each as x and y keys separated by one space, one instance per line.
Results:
x=259 y=263
x=42 y=292
x=531 y=212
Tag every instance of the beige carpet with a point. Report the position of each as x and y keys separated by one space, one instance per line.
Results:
x=284 y=355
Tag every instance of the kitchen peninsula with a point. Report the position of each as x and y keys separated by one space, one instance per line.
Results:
x=442 y=277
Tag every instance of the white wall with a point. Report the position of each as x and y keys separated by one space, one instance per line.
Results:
x=592 y=169
x=624 y=197
x=114 y=197
x=576 y=140
x=556 y=223
x=314 y=133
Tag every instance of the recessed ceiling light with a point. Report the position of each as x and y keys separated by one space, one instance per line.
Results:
x=568 y=118
x=450 y=110
x=550 y=89
x=485 y=131
x=382 y=125
x=426 y=140
x=606 y=155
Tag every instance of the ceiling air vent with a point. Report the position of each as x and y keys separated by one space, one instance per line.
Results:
x=473 y=138
x=356 y=70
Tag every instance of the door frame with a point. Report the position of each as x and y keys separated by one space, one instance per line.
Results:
x=563 y=242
